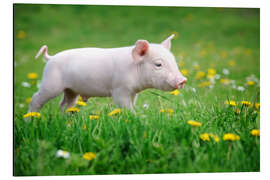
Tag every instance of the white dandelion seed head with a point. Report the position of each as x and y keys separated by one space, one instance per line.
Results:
x=146 y=106
x=225 y=71
x=217 y=76
x=62 y=154
x=240 y=88
x=26 y=84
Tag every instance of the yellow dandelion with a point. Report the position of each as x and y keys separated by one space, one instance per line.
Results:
x=175 y=92
x=223 y=54
x=28 y=100
x=257 y=105
x=32 y=114
x=81 y=103
x=181 y=63
x=231 y=63
x=205 y=137
x=250 y=83
x=96 y=117
x=196 y=66
x=184 y=72
x=248 y=52
x=169 y=111
x=225 y=81
x=32 y=76
x=231 y=103
x=89 y=156
x=194 y=123
x=211 y=73
x=21 y=34
x=200 y=74
x=237 y=111
x=205 y=84
x=216 y=138
x=230 y=137
x=255 y=132
x=73 y=109
x=246 y=103
x=162 y=110
x=115 y=111
x=203 y=53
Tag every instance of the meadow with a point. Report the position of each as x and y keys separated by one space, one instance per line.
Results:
x=211 y=125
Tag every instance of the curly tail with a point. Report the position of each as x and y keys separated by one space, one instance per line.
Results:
x=43 y=50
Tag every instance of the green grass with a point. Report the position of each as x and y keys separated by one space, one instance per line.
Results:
x=151 y=141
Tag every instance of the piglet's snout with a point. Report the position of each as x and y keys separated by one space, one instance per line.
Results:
x=181 y=83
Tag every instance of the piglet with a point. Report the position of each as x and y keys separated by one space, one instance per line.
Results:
x=97 y=72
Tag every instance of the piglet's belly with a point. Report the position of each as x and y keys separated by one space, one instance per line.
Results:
x=94 y=89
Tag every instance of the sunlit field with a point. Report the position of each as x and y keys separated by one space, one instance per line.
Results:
x=211 y=125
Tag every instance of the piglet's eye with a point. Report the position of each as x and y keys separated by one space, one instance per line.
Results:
x=158 y=64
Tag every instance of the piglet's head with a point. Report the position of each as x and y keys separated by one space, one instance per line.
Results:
x=157 y=66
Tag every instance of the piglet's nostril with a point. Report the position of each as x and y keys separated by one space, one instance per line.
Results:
x=183 y=82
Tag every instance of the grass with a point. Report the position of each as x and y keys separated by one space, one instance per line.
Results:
x=151 y=141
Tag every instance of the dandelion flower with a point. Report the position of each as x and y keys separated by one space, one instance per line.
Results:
x=170 y=111
x=216 y=138
x=196 y=66
x=184 y=72
x=32 y=114
x=96 y=117
x=205 y=137
x=62 y=154
x=194 y=123
x=81 y=103
x=73 y=109
x=175 y=92
x=255 y=132
x=246 y=103
x=250 y=83
x=231 y=63
x=21 y=34
x=205 y=84
x=230 y=137
x=237 y=111
x=211 y=73
x=28 y=100
x=181 y=63
x=115 y=111
x=89 y=156
x=225 y=81
x=200 y=75
x=203 y=53
x=32 y=76
x=257 y=105
x=223 y=54
x=231 y=103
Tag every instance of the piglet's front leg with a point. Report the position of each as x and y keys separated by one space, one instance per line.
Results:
x=123 y=99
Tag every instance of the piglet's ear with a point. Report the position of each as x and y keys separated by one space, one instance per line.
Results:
x=167 y=43
x=140 y=50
